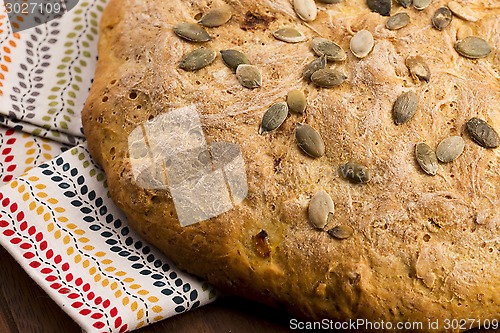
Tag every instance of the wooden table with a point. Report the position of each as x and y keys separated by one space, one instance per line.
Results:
x=26 y=308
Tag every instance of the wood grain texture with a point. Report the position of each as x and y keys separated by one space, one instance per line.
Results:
x=25 y=307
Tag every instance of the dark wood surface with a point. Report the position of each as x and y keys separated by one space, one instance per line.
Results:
x=26 y=308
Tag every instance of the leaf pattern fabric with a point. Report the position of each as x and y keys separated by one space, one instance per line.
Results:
x=56 y=215
x=46 y=72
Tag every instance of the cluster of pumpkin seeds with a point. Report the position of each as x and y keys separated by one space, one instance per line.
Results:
x=317 y=72
x=406 y=104
x=247 y=74
x=405 y=108
x=450 y=148
x=321 y=207
x=308 y=139
x=278 y=112
x=327 y=50
x=470 y=46
x=198 y=58
x=195 y=33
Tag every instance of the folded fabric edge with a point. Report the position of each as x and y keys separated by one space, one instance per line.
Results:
x=38 y=131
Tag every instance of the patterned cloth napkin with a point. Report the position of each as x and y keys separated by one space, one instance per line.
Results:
x=56 y=216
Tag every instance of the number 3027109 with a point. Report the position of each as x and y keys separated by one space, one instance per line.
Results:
x=466 y=324
x=33 y=8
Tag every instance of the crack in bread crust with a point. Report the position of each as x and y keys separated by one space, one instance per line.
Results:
x=423 y=247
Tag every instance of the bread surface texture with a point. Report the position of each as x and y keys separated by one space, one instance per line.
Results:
x=423 y=247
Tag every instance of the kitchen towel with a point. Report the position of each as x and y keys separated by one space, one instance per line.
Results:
x=56 y=216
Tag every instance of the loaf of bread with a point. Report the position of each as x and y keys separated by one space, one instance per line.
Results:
x=404 y=238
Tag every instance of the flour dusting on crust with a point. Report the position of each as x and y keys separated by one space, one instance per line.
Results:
x=423 y=247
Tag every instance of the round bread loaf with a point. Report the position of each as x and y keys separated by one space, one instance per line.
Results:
x=405 y=245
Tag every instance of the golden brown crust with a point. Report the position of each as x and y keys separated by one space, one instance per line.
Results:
x=423 y=247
